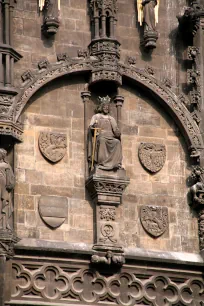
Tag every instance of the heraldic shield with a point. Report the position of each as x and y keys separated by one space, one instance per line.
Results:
x=154 y=219
x=52 y=146
x=152 y=156
x=53 y=210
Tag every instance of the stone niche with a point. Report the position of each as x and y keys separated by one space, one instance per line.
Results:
x=58 y=108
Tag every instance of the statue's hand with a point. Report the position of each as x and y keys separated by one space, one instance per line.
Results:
x=95 y=125
x=9 y=187
x=117 y=133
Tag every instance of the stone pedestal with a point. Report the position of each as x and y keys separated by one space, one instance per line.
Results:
x=150 y=39
x=106 y=189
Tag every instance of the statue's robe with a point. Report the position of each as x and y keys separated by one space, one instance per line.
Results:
x=51 y=9
x=6 y=185
x=149 y=15
x=108 y=150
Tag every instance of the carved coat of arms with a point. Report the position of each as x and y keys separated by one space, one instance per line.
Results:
x=154 y=219
x=52 y=145
x=152 y=156
x=53 y=210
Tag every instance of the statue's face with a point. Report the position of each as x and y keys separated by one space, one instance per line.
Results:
x=105 y=109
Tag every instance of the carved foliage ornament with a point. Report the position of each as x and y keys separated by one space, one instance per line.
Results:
x=154 y=219
x=152 y=156
x=53 y=145
x=106 y=4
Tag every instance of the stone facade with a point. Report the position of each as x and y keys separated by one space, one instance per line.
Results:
x=70 y=230
x=142 y=121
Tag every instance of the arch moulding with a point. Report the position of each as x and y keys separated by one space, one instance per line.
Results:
x=174 y=105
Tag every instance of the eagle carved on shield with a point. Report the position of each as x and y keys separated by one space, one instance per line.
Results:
x=52 y=146
x=152 y=156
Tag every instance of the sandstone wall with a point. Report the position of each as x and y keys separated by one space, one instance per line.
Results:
x=58 y=108
x=74 y=34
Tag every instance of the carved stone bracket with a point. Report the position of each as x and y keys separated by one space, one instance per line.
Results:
x=106 y=189
x=8 y=239
x=108 y=258
x=51 y=20
x=189 y=22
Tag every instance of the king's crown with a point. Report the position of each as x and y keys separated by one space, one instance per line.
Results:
x=106 y=99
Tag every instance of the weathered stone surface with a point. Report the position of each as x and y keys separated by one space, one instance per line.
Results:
x=58 y=107
x=53 y=210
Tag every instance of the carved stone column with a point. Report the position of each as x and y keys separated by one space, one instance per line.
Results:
x=106 y=189
x=119 y=100
x=85 y=95
x=106 y=183
x=104 y=45
x=8 y=55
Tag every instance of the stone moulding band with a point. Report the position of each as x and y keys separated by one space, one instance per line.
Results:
x=163 y=94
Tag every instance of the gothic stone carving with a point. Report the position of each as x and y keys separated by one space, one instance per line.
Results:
x=189 y=22
x=108 y=259
x=107 y=213
x=152 y=156
x=63 y=57
x=131 y=60
x=68 y=66
x=53 y=210
x=51 y=20
x=44 y=64
x=7 y=181
x=108 y=233
x=192 y=53
x=53 y=145
x=173 y=102
x=61 y=283
x=148 y=14
x=106 y=67
x=104 y=149
x=201 y=228
x=107 y=190
x=27 y=76
x=104 y=4
x=154 y=219
x=197 y=191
